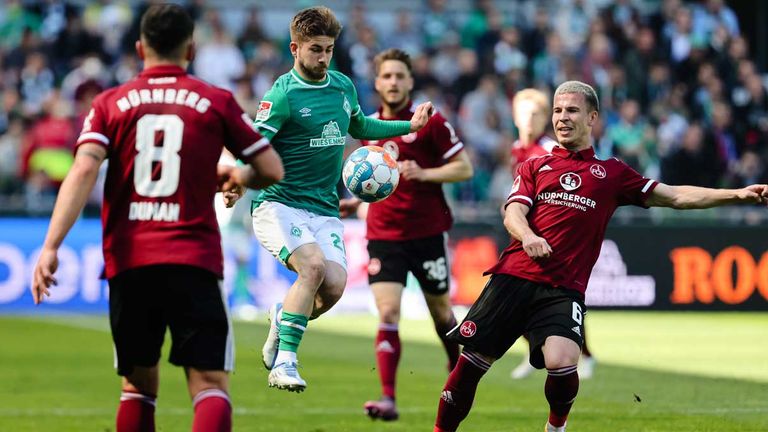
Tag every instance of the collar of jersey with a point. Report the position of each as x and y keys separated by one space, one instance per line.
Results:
x=585 y=154
x=311 y=84
x=163 y=70
x=403 y=113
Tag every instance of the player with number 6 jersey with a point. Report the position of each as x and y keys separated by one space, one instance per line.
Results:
x=163 y=133
x=407 y=231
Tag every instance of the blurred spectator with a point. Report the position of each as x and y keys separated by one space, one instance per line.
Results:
x=694 y=163
x=10 y=154
x=438 y=25
x=485 y=118
x=507 y=52
x=572 y=20
x=546 y=65
x=36 y=82
x=252 y=35
x=477 y=23
x=47 y=151
x=750 y=169
x=714 y=13
x=466 y=81
x=16 y=20
x=405 y=36
x=218 y=60
x=631 y=139
x=72 y=44
x=637 y=65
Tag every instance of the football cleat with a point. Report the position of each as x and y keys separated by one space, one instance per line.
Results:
x=586 y=367
x=549 y=428
x=383 y=409
x=269 y=350
x=523 y=370
x=285 y=376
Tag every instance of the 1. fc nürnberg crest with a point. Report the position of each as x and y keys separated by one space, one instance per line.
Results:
x=597 y=171
x=570 y=181
x=468 y=329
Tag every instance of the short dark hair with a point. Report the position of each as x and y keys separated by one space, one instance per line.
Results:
x=314 y=21
x=165 y=28
x=392 y=54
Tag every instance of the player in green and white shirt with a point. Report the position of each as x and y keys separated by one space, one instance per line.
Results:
x=306 y=116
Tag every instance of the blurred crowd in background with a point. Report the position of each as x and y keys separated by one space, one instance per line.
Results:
x=682 y=99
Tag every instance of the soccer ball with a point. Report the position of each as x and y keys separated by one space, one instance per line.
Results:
x=370 y=173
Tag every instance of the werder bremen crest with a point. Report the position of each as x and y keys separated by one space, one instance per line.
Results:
x=331 y=136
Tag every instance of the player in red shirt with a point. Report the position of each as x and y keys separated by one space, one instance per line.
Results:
x=557 y=212
x=530 y=109
x=407 y=231
x=163 y=133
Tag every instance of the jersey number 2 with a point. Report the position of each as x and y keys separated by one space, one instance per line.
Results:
x=172 y=128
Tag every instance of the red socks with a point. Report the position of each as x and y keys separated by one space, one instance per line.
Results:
x=459 y=391
x=561 y=388
x=213 y=412
x=136 y=413
x=387 y=357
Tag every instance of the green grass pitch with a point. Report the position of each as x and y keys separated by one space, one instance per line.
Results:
x=695 y=372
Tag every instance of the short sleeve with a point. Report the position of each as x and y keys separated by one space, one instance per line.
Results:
x=242 y=138
x=95 y=127
x=273 y=112
x=524 y=186
x=634 y=189
x=444 y=136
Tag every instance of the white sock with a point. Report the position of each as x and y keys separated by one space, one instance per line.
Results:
x=285 y=356
x=551 y=428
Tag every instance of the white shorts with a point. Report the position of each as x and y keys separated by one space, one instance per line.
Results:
x=282 y=229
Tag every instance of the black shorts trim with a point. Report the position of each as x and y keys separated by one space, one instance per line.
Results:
x=426 y=258
x=188 y=300
x=510 y=307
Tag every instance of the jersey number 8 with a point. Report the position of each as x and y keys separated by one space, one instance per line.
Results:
x=147 y=127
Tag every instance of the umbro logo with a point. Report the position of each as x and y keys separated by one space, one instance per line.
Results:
x=545 y=168
x=306 y=112
x=577 y=330
x=385 y=346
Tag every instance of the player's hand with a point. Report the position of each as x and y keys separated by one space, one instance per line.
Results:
x=224 y=175
x=230 y=197
x=757 y=193
x=42 y=276
x=348 y=206
x=536 y=247
x=421 y=116
x=410 y=170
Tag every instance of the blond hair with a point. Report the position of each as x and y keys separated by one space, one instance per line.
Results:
x=534 y=95
x=581 y=88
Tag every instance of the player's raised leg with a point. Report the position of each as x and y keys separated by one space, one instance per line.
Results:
x=309 y=263
x=388 y=296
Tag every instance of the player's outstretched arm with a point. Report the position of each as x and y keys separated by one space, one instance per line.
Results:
x=694 y=197
x=70 y=201
x=516 y=223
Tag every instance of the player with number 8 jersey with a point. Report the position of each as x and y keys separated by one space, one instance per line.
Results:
x=163 y=133
x=158 y=130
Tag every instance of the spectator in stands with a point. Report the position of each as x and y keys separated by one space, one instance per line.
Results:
x=695 y=163
x=218 y=60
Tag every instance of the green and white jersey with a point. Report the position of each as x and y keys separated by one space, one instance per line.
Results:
x=307 y=124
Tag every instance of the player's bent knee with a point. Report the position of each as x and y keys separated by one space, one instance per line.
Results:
x=144 y=380
x=313 y=269
x=389 y=314
x=200 y=380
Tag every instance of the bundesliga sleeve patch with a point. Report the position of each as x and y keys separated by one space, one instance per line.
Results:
x=265 y=108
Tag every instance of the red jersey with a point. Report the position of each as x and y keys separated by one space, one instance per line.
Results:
x=164 y=132
x=416 y=209
x=572 y=196
x=519 y=154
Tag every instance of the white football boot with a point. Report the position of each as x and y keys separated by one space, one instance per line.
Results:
x=285 y=376
x=269 y=350
x=524 y=369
